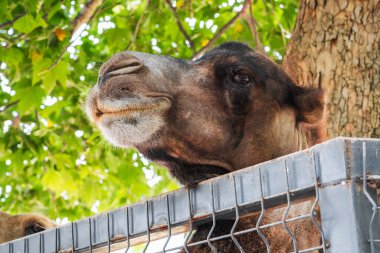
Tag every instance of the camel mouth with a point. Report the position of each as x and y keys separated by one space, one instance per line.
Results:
x=128 y=110
x=104 y=108
x=128 y=120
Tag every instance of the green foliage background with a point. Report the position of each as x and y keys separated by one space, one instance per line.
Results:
x=51 y=159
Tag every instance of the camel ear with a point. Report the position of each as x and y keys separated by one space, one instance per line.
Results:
x=311 y=105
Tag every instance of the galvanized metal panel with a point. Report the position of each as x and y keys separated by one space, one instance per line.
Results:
x=344 y=208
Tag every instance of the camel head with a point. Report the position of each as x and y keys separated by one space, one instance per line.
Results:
x=230 y=109
x=16 y=226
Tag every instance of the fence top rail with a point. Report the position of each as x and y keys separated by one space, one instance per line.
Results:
x=329 y=163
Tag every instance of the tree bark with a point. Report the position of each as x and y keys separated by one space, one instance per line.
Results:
x=335 y=45
x=86 y=14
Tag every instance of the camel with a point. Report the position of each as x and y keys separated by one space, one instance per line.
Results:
x=228 y=110
x=16 y=226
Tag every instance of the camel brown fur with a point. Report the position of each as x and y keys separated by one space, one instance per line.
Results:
x=228 y=110
x=16 y=226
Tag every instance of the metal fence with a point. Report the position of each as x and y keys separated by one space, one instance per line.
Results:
x=338 y=179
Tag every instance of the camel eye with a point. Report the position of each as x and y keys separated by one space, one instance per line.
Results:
x=34 y=228
x=243 y=79
x=240 y=78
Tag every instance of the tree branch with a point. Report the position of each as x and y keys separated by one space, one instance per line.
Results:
x=15 y=39
x=137 y=28
x=85 y=15
x=10 y=22
x=7 y=106
x=252 y=26
x=222 y=30
x=37 y=119
x=179 y=23
x=191 y=10
x=93 y=14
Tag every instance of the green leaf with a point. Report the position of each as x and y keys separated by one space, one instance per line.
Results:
x=61 y=71
x=58 y=73
x=28 y=23
x=63 y=160
x=56 y=7
x=3 y=10
x=30 y=98
x=49 y=79
x=91 y=190
x=14 y=56
x=41 y=21
x=39 y=65
x=53 y=180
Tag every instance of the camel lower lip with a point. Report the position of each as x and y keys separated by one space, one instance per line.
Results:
x=125 y=110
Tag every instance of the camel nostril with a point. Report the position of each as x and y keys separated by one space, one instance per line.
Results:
x=126 y=65
x=98 y=113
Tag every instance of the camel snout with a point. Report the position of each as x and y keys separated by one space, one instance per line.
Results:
x=120 y=64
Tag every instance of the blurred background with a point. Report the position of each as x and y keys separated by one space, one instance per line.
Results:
x=52 y=160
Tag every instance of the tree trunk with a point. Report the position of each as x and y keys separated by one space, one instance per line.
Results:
x=336 y=46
